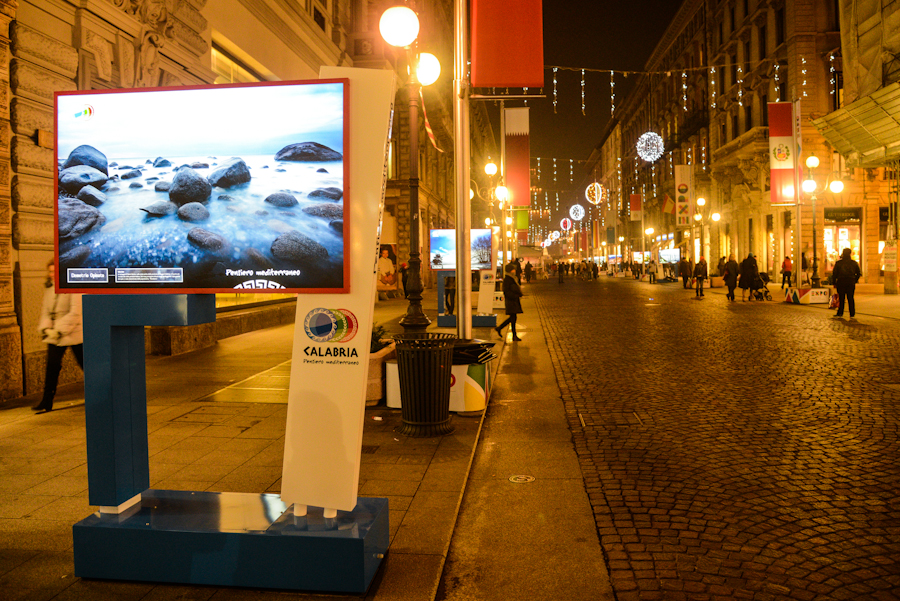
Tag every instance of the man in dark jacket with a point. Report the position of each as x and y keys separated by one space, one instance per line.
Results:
x=845 y=275
x=684 y=270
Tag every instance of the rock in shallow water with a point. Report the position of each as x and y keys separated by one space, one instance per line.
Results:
x=281 y=199
x=307 y=151
x=329 y=193
x=77 y=218
x=189 y=186
x=160 y=208
x=326 y=210
x=87 y=155
x=92 y=196
x=73 y=179
x=298 y=248
x=207 y=240
x=231 y=173
x=193 y=211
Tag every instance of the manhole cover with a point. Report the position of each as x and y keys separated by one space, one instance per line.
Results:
x=522 y=479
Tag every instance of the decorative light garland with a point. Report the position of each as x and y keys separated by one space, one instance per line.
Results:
x=684 y=90
x=594 y=193
x=650 y=146
x=576 y=212
x=582 y=92
x=571 y=170
x=831 y=71
x=803 y=73
x=555 y=70
x=554 y=170
x=712 y=86
x=777 y=83
x=740 y=83
x=612 y=94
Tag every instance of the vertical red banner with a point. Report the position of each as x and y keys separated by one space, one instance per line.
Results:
x=781 y=152
x=518 y=156
x=636 y=207
x=507 y=44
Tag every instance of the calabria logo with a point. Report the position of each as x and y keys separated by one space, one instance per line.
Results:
x=87 y=112
x=331 y=325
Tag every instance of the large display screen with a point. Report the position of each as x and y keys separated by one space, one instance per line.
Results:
x=443 y=249
x=204 y=189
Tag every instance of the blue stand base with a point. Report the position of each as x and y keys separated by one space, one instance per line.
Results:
x=234 y=539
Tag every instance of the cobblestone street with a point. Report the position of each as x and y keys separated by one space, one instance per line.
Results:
x=731 y=450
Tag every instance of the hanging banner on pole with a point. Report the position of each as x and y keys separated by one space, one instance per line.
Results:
x=782 y=153
x=518 y=156
x=683 y=195
x=507 y=44
x=636 y=207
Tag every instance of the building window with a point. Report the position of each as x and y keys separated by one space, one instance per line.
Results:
x=735 y=131
x=230 y=70
x=748 y=118
x=764 y=108
x=842 y=230
x=319 y=18
x=763 y=50
x=779 y=27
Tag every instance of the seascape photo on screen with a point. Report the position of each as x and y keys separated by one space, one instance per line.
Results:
x=206 y=189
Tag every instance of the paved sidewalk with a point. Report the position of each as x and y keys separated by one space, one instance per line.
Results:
x=216 y=421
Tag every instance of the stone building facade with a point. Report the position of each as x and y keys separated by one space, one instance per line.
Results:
x=706 y=91
x=57 y=45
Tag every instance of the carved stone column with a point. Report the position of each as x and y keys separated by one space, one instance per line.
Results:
x=11 y=384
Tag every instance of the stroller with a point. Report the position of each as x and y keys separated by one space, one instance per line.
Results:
x=759 y=289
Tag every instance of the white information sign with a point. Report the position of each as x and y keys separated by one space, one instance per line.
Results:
x=890 y=256
x=326 y=400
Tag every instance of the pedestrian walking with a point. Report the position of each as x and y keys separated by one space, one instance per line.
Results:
x=731 y=276
x=60 y=326
x=845 y=274
x=560 y=272
x=684 y=270
x=529 y=270
x=748 y=275
x=786 y=268
x=701 y=272
x=450 y=293
x=804 y=269
x=652 y=270
x=720 y=268
x=512 y=293
x=595 y=269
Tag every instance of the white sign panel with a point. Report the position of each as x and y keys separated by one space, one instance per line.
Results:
x=326 y=401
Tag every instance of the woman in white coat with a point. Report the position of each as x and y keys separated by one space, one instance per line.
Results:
x=60 y=325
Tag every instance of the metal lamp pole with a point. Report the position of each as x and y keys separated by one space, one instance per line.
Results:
x=809 y=186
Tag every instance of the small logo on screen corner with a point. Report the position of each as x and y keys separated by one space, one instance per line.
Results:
x=85 y=113
x=330 y=325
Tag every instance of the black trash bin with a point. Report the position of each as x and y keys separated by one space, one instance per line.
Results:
x=424 y=361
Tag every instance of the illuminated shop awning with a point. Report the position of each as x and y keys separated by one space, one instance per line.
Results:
x=867 y=131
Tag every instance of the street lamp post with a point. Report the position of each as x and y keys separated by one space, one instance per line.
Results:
x=399 y=27
x=810 y=186
x=700 y=218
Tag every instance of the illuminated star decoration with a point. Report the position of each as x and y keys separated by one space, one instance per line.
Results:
x=650 y=146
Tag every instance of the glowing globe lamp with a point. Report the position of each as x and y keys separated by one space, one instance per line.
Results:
x=399 y=26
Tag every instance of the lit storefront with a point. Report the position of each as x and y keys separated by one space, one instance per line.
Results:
x=843 y=229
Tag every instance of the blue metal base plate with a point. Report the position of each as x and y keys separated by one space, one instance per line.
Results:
x=234 y=539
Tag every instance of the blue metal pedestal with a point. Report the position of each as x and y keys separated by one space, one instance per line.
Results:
x=208 y=538
x=234 y=539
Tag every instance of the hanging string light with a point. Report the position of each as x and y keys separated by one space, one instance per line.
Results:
x=571 y=170
x=712 y=86
x=554 y=170
x=525 y=91
x=831 y=71
x=555 y=70
x=777 y=83
x=803 y=73
x=582 y=92
x=539 y=169
x=684 y=90
x=612 y=94
x=740 y=78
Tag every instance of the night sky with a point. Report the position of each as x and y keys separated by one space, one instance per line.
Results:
x=590 y=34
